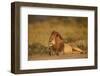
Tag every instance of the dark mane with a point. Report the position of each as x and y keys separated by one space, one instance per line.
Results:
x=57 y=34
x=56 y=43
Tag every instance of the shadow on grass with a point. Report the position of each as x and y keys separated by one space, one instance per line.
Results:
x=37 y=48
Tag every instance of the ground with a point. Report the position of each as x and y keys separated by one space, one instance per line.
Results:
x=66 y=56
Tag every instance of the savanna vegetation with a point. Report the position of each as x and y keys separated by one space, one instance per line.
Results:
x=74 y=31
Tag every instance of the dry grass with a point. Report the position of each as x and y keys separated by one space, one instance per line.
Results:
x=72 y=31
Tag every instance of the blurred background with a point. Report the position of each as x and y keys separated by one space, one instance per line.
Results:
x=72 y=29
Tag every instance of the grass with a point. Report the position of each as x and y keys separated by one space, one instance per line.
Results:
x=37 y=48
x=73 y=30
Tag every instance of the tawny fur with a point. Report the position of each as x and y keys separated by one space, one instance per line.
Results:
x=57 y=45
